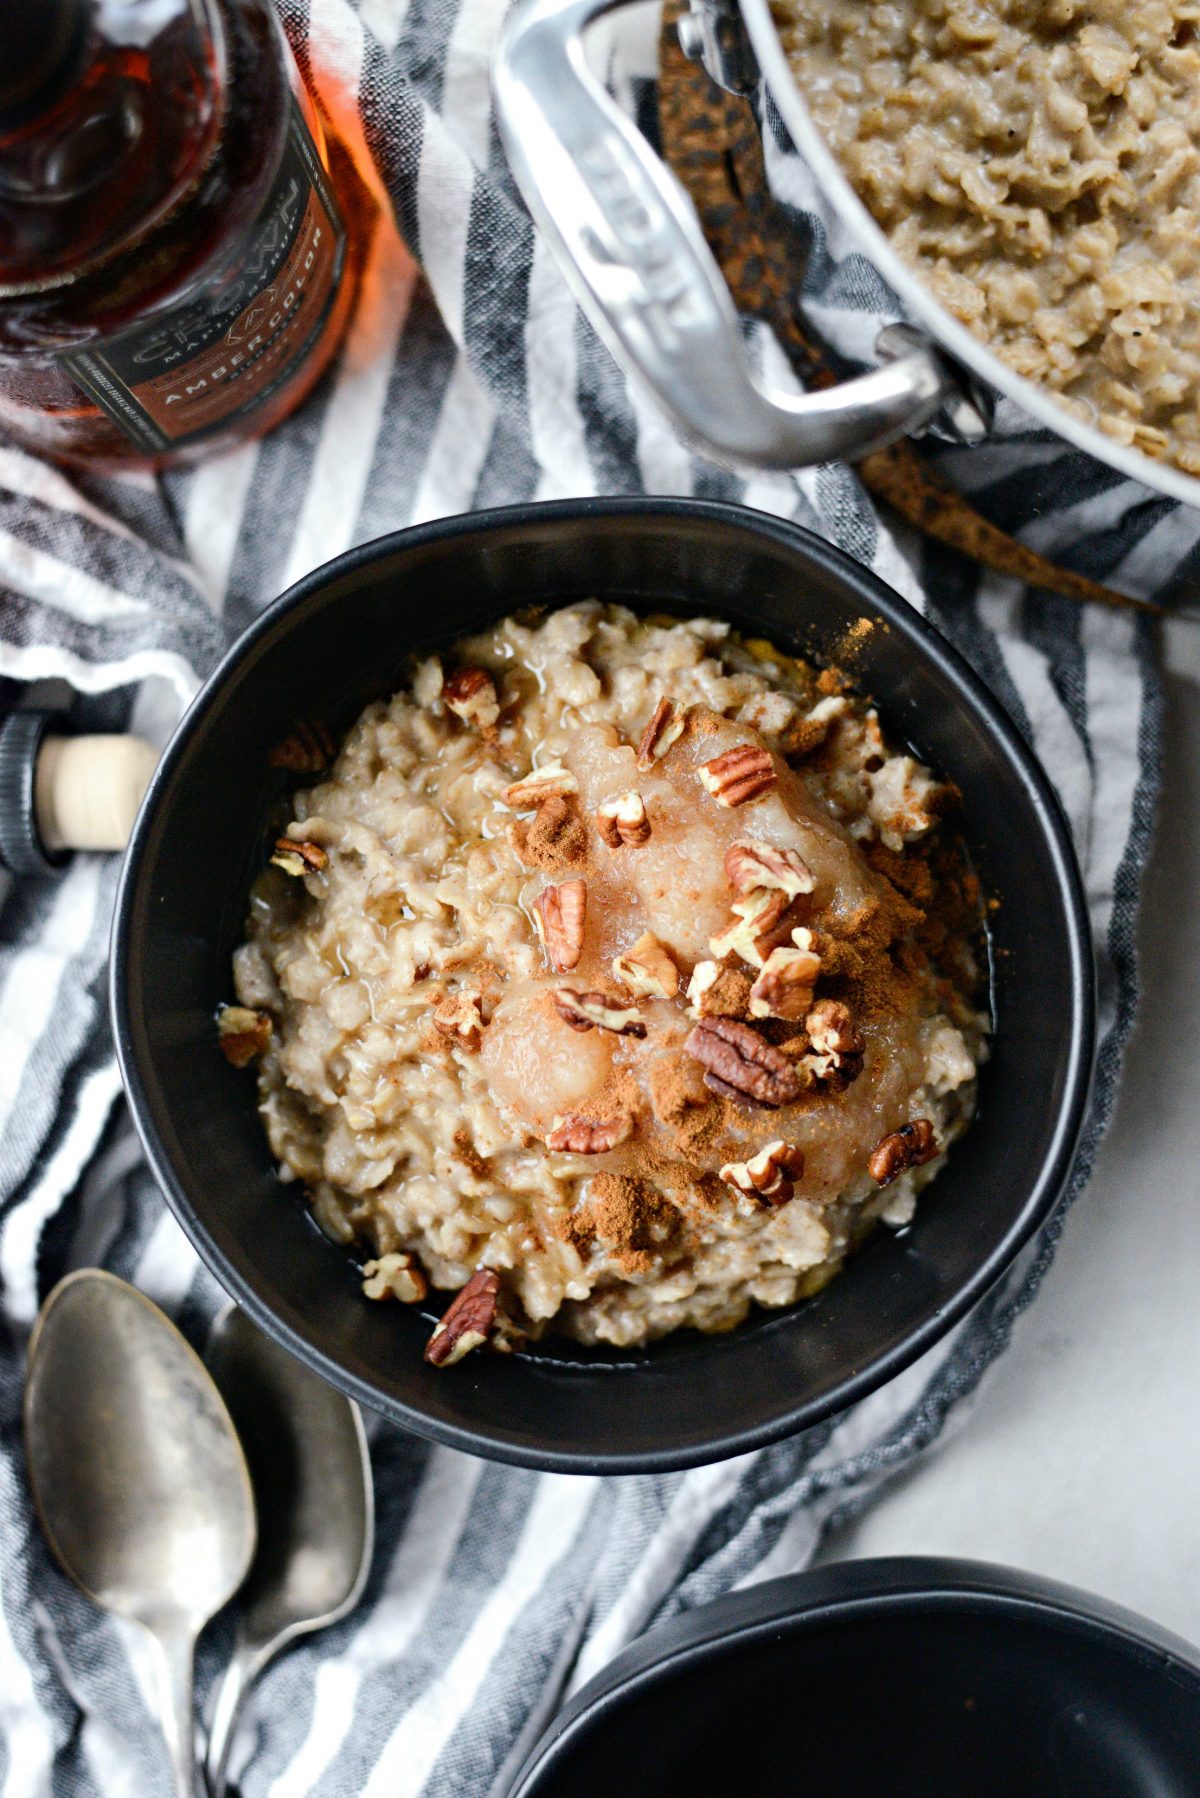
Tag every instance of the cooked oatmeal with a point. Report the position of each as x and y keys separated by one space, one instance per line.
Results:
x=618 y=975
x=1036 y=162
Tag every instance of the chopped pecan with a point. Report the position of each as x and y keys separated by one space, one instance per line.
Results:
x=525 y=795
x=647 y=969
x=308 y=749
x=298 y=858
x=742 y=1064
x=911 y=1145
x=468 y=1322
x=784 y=988
x=754 y=919
x=471 y=695
x=751 y=866
x=242 y=1034
x=560 y=914
x=395 y=1276
x=460 y=1015
x=665 y=727
x=592 y=1011
x=739 y=775
x=770 y=1175
x=717 y=992
x=578 y=1135
x=836 y=1056
x=622 y=821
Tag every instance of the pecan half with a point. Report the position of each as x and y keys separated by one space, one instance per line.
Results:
x=560 y=914
x=460 y=1015
x=622 y=821
x=739 y=775
x=298 y=858
x=577 y=1135
x=596 y=1011
x=526 y=795
x=665 y=727
x=647 y=969
x=308 y=749
x=836 y=1056
x=754 y=919
x=769 y=1176
x=717 y=992
x=395 y=1276
x=750 y=866
x=471 y=695
x=468 y=1322
x=742 y=1064
x=784 y=988
x=911 y=1145
x=242 y=1034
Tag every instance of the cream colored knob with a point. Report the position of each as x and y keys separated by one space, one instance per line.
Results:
x=87 y=790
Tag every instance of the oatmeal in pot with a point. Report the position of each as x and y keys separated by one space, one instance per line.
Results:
x=618 y=975
x=1037 y=162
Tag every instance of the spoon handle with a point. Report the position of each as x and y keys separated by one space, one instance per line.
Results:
x=245 y=1665
x=176 y=1708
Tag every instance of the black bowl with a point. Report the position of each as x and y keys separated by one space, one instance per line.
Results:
x=338 y=639
x=876 y=1679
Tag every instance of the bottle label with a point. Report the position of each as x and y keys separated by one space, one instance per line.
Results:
x=198 y=367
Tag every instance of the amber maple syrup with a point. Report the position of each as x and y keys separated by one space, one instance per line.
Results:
x=174 y=268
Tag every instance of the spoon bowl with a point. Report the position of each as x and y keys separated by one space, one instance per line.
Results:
x=138 y=1477
x=311 y=1473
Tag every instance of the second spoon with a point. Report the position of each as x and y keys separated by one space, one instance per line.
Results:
x=307 y=1452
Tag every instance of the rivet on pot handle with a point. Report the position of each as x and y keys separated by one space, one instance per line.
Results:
x=632 y=248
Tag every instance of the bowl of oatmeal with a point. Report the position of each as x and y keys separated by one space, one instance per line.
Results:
x=578 y=974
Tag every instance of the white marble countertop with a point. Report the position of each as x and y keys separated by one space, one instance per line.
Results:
x=1081 y=1458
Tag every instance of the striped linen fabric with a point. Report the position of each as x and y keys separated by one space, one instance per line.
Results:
x=475 y=382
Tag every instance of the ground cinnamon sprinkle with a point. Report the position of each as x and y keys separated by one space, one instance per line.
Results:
x=676 y=1085
x=700 y=722
x=802 y=736
x=629 y=1215
x=854 y=637
x=909 y=874
x=466 y=1153
x=729 y=995
x=554 y=839
x=700 y=1131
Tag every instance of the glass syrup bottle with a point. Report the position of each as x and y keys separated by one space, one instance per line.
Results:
x=174 y=271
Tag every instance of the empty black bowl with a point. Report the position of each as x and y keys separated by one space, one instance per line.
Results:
x=337 y=640
x=907 y=1678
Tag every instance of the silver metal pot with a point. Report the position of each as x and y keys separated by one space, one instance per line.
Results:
x=631 y=246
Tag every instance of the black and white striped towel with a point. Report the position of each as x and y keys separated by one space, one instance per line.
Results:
x=493 y=1589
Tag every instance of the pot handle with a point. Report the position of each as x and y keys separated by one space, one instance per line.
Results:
x=630 y=245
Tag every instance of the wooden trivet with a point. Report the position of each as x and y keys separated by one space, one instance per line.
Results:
x=710 y=139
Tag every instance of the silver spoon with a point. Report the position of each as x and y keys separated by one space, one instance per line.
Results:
x=138 y=1478
x=311 y=1473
